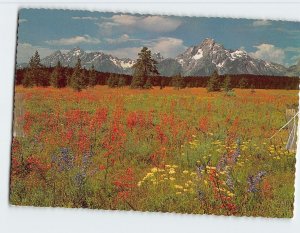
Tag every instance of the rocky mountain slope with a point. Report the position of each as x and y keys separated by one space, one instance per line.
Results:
x=199 y=60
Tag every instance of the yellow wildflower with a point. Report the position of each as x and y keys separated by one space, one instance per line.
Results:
x=150 y=174
x=154 y=170
x=230 y=194
x=172 y=171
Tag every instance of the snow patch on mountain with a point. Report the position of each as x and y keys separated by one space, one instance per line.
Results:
x=128 y=64
x=198 y=55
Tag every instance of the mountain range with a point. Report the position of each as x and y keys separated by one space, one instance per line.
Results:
x=199 y=60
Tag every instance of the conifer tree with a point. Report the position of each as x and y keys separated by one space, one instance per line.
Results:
x=29 y=79
x=92 y=76
x=58 y=78
x=112 y=81
x=163 y=83
x=77 y=79
x=148 y=84
x=214 y=82
x=34 y=74
x=178 y=82
x=227 y=84
x=252 y=89
x=144 y=68
x=137 y=79
x=122 y=81
x=243 y=83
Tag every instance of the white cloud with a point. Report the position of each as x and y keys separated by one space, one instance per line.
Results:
x=167 y=46
x=147 y=23
x=85 y=39
x=26 y=50
x=261 y=23
x=84 y=18
x=23 y=20
x=126 y=20
x=122 y=39
x=160 y=24
x=269 y=53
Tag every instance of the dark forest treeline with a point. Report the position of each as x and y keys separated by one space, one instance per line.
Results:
x=145 y=75
x=250 y=81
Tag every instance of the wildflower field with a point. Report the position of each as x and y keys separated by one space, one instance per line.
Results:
x=184 y=151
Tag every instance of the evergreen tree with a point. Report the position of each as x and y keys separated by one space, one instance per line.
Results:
x=77 y=79
x=121 y=81
x=252 y=89
x=148 y=84
x=92 y=76
x=227 y=84
x=137 y=79
x=29 y=79
x=112 y=81
x=213 y=83
x=178 y=82
x=144 y=68
x=58 y=78
x=34 y=74
x=243 y=83
x=163 y=83
x=35 y=61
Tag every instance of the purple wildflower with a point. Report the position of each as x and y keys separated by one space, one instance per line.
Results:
x=254 y=181
x=80 y=179
x=64 y=160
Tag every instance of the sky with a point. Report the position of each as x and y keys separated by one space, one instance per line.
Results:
x=123 y=35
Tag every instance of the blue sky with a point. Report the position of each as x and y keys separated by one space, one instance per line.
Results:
x=123 y=35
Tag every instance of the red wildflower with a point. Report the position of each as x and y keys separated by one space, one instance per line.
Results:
x=102 y=167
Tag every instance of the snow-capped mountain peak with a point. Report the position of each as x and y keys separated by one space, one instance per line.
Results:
x=157 y=57
x=101 y=61
x=208 y=56
x=76 y=52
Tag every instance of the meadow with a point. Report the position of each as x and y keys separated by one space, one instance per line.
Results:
x=184 y=151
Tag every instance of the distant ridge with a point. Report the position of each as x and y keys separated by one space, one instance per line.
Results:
x=199 y=60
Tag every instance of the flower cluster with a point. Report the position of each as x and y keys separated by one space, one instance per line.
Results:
x=64 y=160
x=221 y=193
x=254 y=181
x=124 y=183
x=178 y=181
